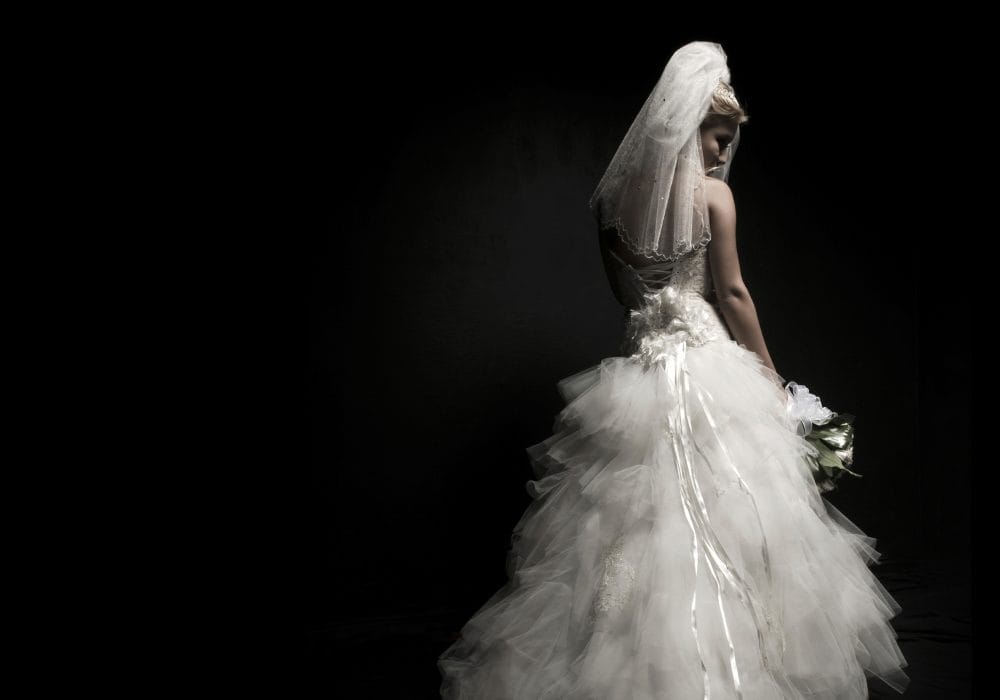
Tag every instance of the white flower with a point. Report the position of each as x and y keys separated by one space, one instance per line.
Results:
x=805 y=407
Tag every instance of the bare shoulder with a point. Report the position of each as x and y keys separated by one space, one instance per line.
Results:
x=718 y=195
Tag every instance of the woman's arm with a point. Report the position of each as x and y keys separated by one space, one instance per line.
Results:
x=734 y=298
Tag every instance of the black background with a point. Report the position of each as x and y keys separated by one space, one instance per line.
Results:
x=454 y=277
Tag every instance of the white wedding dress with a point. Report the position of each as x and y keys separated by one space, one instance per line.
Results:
x=677 y=546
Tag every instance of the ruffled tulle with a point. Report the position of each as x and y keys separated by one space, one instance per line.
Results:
x=678 y=547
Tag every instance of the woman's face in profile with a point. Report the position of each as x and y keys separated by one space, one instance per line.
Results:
x=714 y=140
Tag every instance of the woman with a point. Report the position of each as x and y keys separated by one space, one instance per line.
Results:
x=678 y=545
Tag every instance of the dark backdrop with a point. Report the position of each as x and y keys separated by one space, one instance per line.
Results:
x=457 y=277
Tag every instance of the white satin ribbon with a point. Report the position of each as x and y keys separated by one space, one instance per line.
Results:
x=720 y=566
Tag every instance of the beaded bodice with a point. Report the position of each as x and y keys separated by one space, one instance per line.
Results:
x=670 y=301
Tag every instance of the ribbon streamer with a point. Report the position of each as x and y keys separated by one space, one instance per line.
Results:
x=720 y=566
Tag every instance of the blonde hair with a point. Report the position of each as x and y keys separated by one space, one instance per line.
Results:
x=725 y=107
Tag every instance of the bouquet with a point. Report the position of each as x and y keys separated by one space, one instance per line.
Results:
x=832 y=434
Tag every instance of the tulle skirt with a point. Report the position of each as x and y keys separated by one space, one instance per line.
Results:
x=677 y=547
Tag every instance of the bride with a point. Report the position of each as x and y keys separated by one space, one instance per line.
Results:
x=677 y=545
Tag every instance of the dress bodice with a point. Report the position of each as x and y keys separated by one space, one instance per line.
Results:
x=689 y=273
x=669 y=301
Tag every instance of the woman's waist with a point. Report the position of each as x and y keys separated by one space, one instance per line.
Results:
x=688 y=314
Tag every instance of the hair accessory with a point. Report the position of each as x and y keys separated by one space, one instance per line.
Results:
x=722 y=89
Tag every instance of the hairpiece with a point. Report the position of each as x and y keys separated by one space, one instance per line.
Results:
x=722 y=89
